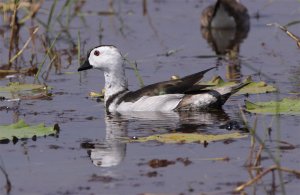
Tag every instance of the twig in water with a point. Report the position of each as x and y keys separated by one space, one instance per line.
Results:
x=283 y=28
x=49 y=69
x=259 y=176
x=249 y=162
x=258 y=155
x=274 y=158
x=8 y=185
x=78 y=48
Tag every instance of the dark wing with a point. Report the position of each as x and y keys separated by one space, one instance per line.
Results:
x=177 y=86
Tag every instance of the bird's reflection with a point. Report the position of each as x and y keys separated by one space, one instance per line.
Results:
x=112 y=150
x=226 y=41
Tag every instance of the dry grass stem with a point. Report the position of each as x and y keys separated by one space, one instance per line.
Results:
x=49 y=69
x=259 y=176
x=258 y=155
x=24 y=47
x=290 y=34
x=8 y=185
x=14 y=32
x=34 y=8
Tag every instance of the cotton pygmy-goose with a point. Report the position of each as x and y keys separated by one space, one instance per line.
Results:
x=173 y=95
x=225 y=14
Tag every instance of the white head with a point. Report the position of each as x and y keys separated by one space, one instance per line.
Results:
x=105 y=57
x=108 y=59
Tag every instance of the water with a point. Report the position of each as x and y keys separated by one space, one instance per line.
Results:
x=66 y=164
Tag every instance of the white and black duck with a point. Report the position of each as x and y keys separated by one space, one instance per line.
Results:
x=173 y=95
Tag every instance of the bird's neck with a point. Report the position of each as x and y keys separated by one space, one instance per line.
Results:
x=115 y=81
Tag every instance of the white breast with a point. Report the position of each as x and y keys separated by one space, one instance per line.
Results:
x=161 y=103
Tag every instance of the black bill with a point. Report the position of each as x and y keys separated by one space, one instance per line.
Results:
x=85 y=66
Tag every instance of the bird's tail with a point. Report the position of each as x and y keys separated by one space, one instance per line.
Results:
x=226 y=92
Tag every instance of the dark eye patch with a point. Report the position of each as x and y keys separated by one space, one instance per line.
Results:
x=96 y=53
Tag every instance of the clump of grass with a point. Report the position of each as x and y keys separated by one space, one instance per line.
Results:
x=265 y=172
x=17 y=19
x=254 y=160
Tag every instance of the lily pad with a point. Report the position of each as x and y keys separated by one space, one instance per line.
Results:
x=284 y=106
x=251 y=88
x=256 y=87
x=22 y=130
x=189 y=137
x=17 y=90
x=94 y=94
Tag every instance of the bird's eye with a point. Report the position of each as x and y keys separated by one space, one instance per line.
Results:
x=96 y=53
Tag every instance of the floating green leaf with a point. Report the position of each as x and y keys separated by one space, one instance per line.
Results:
x=217 y=81
x=16 y=90
x=256 y=87
x=22 y=87
x=189 y=137
x=21 y=130
x=284 y=106
x=94 y=94
x=252 y=88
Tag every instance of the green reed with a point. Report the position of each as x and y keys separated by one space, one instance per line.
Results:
x=45 y=57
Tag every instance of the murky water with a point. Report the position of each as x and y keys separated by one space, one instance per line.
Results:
x=88 y=157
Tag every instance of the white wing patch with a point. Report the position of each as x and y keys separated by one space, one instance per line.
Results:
x=161 y=103
x=203 y=100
